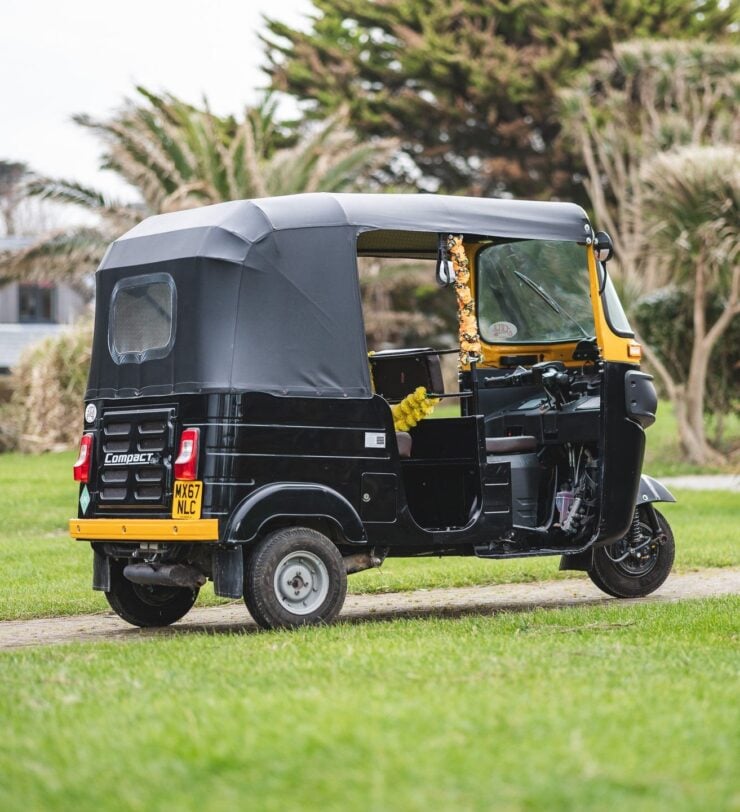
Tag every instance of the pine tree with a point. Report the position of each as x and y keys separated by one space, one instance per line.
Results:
x=469 y=86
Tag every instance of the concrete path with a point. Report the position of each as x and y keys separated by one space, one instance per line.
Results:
x=703 y=482
x=234 y=619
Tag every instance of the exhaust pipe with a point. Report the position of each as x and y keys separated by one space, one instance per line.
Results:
x=179 y=575
x=361 y=561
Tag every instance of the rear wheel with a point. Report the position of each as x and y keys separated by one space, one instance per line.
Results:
x=639 y=563
x=294 y=577
x=147 y=606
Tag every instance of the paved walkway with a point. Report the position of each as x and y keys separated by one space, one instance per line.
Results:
x=234 y=619
x=703 y=482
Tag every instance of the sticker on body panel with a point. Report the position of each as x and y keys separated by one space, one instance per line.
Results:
x=374 y=439
x=502 y=329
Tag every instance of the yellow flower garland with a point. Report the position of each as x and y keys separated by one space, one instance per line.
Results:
x=468 y=327
x=412 y=409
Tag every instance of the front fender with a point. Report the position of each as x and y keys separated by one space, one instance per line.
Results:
x=299 y=500
x=653 y=491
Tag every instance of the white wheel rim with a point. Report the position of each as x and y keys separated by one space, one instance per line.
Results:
x=301 y=582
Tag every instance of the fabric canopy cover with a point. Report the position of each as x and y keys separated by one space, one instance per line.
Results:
x=268 y=297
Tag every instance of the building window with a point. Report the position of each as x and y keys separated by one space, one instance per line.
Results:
x=36 y=303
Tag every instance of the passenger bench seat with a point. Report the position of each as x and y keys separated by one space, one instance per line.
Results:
x=403 y=438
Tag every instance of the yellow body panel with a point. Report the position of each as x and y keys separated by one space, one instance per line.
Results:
x=184 y=530
x=612 y=346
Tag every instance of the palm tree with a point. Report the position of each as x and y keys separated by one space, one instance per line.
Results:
x=12 y=174
x=692 y=202
x=179 y=156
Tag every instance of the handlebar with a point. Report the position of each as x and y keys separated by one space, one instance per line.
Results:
x=550 y=371
x=552 y=375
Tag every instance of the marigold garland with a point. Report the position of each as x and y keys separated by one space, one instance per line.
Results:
x=468 y=326
x=412 y=409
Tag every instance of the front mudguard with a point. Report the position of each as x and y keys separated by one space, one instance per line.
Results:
x=653 y=491
x=650 y=491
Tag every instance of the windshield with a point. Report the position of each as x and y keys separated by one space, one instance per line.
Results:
x=534 y=291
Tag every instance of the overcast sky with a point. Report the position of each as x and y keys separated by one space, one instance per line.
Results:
x=84 y=56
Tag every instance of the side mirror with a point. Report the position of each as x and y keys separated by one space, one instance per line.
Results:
x=603 y=246
x=445 y=271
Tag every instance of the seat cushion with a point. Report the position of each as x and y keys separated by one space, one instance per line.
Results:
x=403 y=438
x=510 y=445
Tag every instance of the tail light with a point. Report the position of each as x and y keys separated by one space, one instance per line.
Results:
x=81 y=468
x=186 y=464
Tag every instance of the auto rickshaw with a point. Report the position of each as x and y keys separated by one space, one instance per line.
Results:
x=237 y=428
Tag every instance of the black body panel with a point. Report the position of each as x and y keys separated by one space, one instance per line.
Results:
x=623 y=448
x=335 y=460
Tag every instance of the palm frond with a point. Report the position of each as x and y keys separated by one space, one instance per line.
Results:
x=66 y=255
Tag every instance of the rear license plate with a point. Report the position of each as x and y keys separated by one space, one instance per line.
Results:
x=186 y=500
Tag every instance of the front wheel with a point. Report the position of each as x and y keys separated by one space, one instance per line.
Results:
x=639 y=563
x=294 y=577
x=147 y=606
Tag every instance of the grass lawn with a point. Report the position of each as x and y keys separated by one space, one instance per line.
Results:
x=45 y=573
x=602 y=708
x=663 y=453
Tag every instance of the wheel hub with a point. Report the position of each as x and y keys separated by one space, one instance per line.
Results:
x=301 y=582
x=636 y=557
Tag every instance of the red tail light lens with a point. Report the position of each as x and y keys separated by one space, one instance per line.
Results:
x=81 y=468
x=186 y=464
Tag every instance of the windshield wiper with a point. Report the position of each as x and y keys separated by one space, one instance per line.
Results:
x=549 y=300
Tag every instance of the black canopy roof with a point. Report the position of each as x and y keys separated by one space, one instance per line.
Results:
x=267 y=291
x=225 y=230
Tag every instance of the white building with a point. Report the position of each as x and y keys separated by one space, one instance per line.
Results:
x=30 y=312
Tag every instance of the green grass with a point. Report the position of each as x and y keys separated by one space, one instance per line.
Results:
x=600 y=708
x=664 y=455
x=45 y=573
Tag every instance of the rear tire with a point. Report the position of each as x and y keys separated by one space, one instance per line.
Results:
x=294 y=577
x=147 y=606
x=635 y=577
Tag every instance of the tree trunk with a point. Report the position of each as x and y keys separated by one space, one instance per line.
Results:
x=695 y=446
x=682 y=397
x=693 y=433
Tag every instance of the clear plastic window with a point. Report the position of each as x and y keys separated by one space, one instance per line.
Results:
x=534 y=291
x=142 y=318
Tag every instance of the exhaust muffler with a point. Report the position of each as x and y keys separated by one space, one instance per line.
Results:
x=179 y=575
x=361 y=561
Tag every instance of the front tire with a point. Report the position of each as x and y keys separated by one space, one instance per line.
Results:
x=147 y=606
x=294 y=577
x=633 y=568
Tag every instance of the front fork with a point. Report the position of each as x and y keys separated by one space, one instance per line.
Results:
x=644 y=513
x=650 y=518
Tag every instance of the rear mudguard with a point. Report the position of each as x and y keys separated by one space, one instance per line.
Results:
x=295 y=501
x=650 y=491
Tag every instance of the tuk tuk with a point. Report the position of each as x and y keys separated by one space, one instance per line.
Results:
x=237 y=428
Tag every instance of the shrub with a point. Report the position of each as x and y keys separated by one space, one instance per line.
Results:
x=44 y=412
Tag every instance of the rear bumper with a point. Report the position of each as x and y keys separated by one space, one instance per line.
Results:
x=183 y=530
